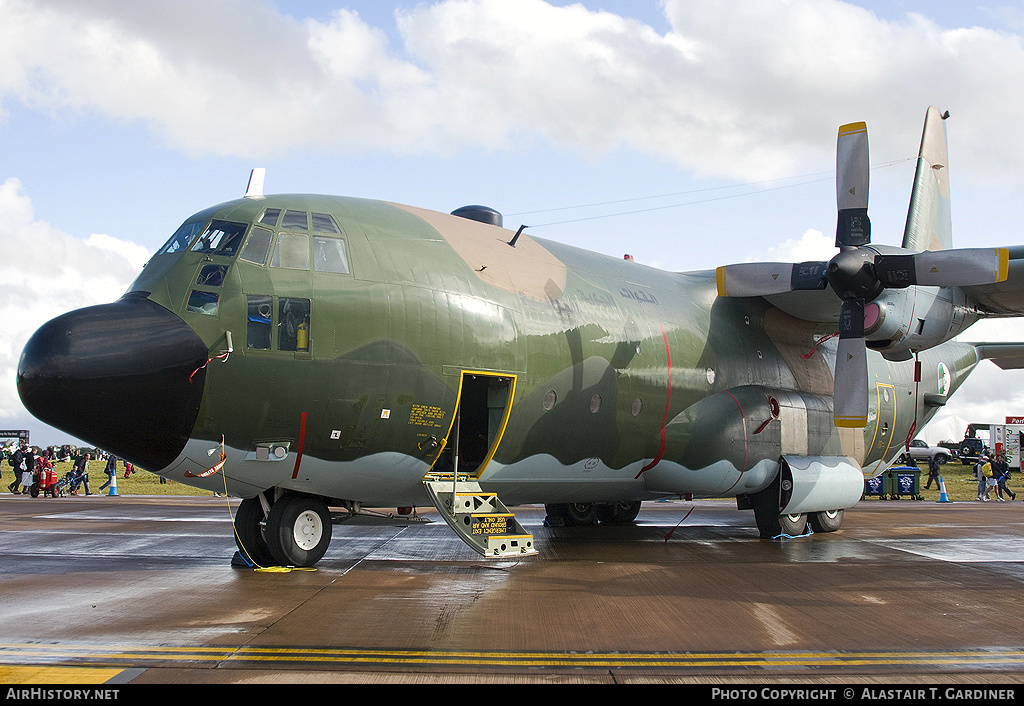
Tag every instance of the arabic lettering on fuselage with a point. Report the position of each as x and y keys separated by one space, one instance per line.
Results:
x=638 y=295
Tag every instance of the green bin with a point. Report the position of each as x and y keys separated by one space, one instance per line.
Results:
x=905 y=482
x=880 y=485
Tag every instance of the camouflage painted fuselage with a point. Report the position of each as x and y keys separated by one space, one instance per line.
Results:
x=626 y=382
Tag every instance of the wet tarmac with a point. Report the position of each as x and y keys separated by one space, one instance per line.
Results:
x=140 y=590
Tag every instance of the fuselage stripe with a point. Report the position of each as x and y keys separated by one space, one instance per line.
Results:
x=664 y=420
x=302 y=441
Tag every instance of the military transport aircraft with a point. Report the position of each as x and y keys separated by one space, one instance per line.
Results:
x=319 y=355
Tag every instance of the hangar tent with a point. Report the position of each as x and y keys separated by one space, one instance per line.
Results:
x=944 y=427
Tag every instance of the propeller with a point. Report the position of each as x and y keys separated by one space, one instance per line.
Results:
x=859 y=273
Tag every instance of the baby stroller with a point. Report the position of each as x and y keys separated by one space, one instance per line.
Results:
x=66 y=484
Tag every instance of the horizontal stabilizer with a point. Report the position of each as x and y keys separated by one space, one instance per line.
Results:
x=1008 y=356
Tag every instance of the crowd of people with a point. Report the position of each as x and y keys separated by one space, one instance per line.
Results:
x=34 y=471
x=993 y=474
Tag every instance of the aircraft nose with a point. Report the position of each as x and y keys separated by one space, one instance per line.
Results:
x=117 y=376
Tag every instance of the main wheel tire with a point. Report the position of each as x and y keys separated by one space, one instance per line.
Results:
x=827 y=521
x=571 y=514
x=618 y=513
x=580 y=514
x=249 y=533
x=298 y=530
x=793 y=525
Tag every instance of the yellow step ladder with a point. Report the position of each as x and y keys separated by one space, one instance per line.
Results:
x=480 y=519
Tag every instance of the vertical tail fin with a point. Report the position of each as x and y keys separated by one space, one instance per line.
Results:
x=929 y=224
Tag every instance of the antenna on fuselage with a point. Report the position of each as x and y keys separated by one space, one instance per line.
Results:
x=518 y=233
x=255 y=188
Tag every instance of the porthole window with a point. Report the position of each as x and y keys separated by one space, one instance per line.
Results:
x=549 y=399
x=595 y=404
x=638 y=405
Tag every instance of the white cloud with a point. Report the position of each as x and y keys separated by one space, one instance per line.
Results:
x=746 y=89
x=46 y=272
x=813 y=245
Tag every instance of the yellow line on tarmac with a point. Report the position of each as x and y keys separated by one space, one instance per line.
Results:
x=108 y=655
x=55 y=675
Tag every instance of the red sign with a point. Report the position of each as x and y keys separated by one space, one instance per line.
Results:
x=1015 y=420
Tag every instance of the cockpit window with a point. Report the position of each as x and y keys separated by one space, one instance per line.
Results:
x=257 y=246
x=270 y=216
x=294 y=220
x=329 y=255
x=292 y=251
x=323 y=223
x=220 y=238
x=212 y=275
x=181 y=238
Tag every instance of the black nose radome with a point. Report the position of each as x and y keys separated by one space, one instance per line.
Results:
x=117 y=376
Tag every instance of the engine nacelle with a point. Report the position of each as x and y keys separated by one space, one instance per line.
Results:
x=902 y=321
x=819 y=483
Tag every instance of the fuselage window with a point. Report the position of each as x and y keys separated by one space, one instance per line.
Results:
x=294 y=220
x=292 y=251
x=292 y=324
x=220 y=238
x=323 y=223
x=329 y=255
x=257 y=246
x=181 y=238
x=202 y=302
x=257 y=327
x=212 y=275
x=269 y=216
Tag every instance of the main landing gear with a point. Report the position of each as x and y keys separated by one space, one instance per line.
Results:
x=771 y=524
x=293 y=531
x=578 y=514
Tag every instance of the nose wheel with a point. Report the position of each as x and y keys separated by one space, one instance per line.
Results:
x=296 y=531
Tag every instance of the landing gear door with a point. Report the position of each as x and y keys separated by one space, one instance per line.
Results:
x=485 y=400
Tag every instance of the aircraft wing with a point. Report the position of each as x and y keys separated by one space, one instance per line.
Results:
x=1008 y=356
x=1003 y=298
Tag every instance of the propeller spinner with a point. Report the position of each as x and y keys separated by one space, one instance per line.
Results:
x=859 y=273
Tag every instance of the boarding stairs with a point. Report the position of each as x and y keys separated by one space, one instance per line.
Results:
x=480 y=519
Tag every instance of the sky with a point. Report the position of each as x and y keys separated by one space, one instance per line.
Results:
x=686 y=133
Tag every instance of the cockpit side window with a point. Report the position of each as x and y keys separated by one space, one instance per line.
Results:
x=329 y=255
x=181 y=238
x=220 y=238
x=257 y=246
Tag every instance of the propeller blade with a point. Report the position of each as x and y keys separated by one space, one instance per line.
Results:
x=761 y=279
x=944 y=268
x=850 y=392
x=853 y=228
